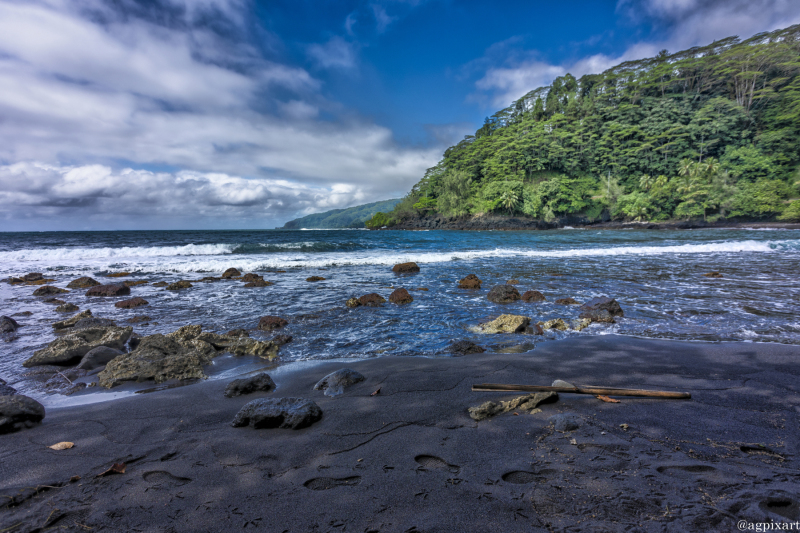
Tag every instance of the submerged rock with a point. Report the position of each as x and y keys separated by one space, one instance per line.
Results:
x=580 y=325
x=533 y=297
x=250 y=277
x=334 y=383
x=71 y=321
x=352 y=302
x=512 y=282
x=5 y=389
x=503 y=294
x=8 y=324
x=112 y=289
x=404 y=268
x=238 y=332
x=533 y=329
x=371 y=300
x=231 y=273
x=18 y=412
x=280 y=340
x=315 y=278
x=506 y=324
x=598 y=315
x=178 y=285
x=400 y=296
x=93 y=322
x=54 y=301
x=603 y=303
x=65 y=349
x=529 y=403
x=283 y=413
x=97 y=357
x=160 y=284
x=32 y=276
x=67 y=308
x=258 y=283
x=714 y=274
x=567 y=301
x=258 y=383
x=48 y=290
x=269 y=323
x=133 y=283
x=470 y=282
x=83 y=283
x=118 y=274
x=133 y=302
x=464 y=347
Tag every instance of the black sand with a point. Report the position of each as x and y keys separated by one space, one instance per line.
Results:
x=411 y=459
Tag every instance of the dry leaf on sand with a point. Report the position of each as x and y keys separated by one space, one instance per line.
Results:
x=606 y=399
x=62 y=446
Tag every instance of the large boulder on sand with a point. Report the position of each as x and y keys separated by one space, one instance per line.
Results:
x=258 y=383
x=470 y=282
x=112 y=289
x=18 y=412
x=603 y=302
x=400 y=296
x=533 y=297
x=83 y=283
x=334 y=383
x=506 y=324
x=160 y=358
x=503 y=294
x=404 y=268
x=285 y=413
x=66 y=349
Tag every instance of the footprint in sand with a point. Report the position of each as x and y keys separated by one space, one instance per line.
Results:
x=164 y=478
x=692 y=469
x=521 y=477
x=325 y=483
x=430 y=462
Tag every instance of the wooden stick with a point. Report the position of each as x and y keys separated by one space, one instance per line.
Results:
x=589 y=389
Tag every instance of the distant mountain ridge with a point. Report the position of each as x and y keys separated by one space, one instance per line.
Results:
x=352 y=217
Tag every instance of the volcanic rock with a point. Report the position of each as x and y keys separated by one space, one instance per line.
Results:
x=315 y=278
x=5 y=389
x=284 y=413
x=533 y=329
x=371 y=300
x=97 y=357
x=470 y=282
x=8 y=324
x=118 y=274
x=714 y=274
x=65 y=349
x=134 y=283
x=565 y=422
x=260 y=382
x=93 y=322
x=280 y=340
x=54 y=301
x=352 y=302
x=506 y=324
x=533 y=297
x=32 y=276
x=18 y=412
x=112 y=289
x=48 y=290
x=334 y=383
x=581 y=324
x=83 y=283
x=556 y=323
x=178 y=285
x=160 y=284
x=258 y=283
x=133 y=302
x=231 y=273
x=239 y=332
x=512 y=282
x=403 y=268
x=250 y=277
x=567 y=301
x=67 y=308
x=598 y=315
x=71 y=321
x=503 y=294
x=400 y=296
x=268 y=323
x=603 y=302
x=465 y=347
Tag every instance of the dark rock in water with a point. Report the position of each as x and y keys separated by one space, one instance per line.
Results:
x=315 y=278
x=371 y=300
x=464 y=347
x=598 y=315
x=352 y=302
x=268 y=323
x=280 y=340
x=567 y=301
x=33 y=276
x=134 y=341
x=533 y=297
x=209 y=279
x=67 y=308
x=403 y=268
x=503 y=294
x=603 y=302
x=334 y=383
x=93 y=322
x=400 y=296
x=512 y=282
x=18 y=412
x=54 y=301
x=8 y=324
x=714 y=274
x=250 y=277
x=260 y=382
x=83 y=283
x=66 y=349
x=71 y=321
x=97 y=357
x=565 y=422
x=112 y=289
x=138 y=319
x=5 y=389
x=284 y=413
x=48 y=290
x=470 y=282
x=118 y=274
x=133 y=302
x=134 y=283
x=160 y=358
x=258 y=283
x=231 y=273
x=23 y=313
x=160 y=284
x=534 y=329
x=178 y=285
x=238 y=333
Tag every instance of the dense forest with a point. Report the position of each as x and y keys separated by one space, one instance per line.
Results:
x=352 y=217
x=708 y=133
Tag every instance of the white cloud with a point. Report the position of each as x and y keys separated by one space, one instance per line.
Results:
x=688 y=23
x=336 y=53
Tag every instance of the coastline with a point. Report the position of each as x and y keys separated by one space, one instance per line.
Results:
x=411 y=459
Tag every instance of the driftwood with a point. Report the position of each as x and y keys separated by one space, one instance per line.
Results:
x=588 y=389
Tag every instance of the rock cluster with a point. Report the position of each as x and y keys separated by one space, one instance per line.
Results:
x=65 y=350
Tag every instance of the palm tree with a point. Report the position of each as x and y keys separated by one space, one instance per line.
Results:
x=646 y=181
x=509 y=200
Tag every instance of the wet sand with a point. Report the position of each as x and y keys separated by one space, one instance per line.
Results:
x=411 y=459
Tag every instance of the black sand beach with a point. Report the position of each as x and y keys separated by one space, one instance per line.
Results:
x=411 y=459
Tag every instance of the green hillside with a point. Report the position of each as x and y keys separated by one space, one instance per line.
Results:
x=352 y=217
x=712 y=132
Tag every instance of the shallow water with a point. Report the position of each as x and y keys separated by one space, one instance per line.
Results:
x=657 y=276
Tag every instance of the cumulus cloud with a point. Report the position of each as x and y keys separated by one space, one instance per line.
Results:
x=89 y=84
x=336 y=53
x=687 y=23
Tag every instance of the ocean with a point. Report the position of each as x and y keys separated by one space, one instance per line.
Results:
x=656 y=276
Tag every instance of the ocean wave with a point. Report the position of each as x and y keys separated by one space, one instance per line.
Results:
x=124 y=252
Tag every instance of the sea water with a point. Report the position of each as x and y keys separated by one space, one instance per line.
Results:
x=655 y=275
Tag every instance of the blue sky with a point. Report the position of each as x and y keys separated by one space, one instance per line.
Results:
x=144 y=114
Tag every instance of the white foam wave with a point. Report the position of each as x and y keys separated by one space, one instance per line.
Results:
x=55 y=255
